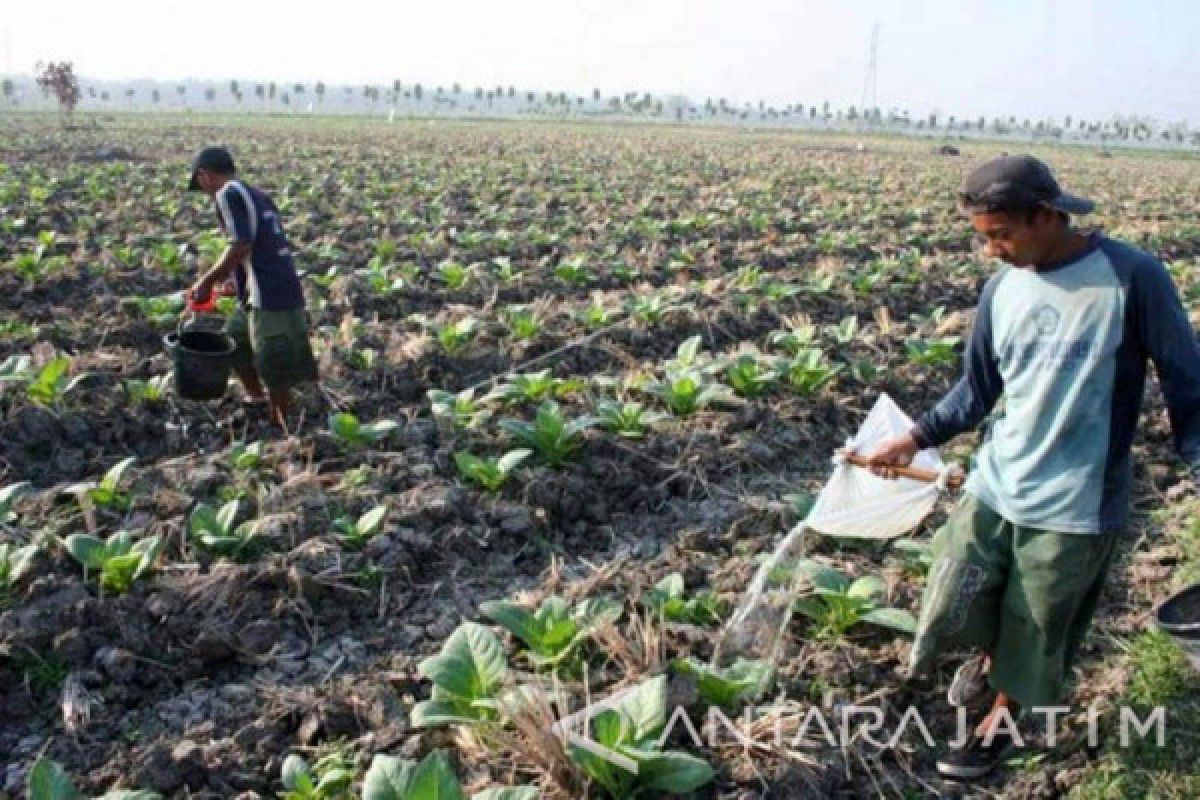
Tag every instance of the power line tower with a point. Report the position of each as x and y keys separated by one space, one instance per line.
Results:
x=869 y=100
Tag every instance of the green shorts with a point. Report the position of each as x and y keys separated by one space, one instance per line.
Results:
x=275 y=345
x=1025 y=596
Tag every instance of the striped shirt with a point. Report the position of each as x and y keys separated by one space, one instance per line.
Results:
x=267 y=278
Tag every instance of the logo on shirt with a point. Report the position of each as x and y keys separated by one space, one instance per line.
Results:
x=1046 y=318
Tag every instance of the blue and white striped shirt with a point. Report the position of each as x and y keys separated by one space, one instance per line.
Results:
x=267 y=279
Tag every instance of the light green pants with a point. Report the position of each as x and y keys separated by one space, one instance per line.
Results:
x=1024 y=595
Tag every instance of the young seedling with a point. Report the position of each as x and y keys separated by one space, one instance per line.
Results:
x=751 y=377
x=685 y=393
x=49 y=781
x=553 y=632
x=325 y=279
x=148 y=392
x=392 y=778
x=916 y=556
x=246 y=457
x=535 y=386
x=631 y=729
x=523 y=323
x=456 y=337
x=217 y=531
x=161 y=311
x=938 y=352
x=503 y=269
x=461 y=409
x=669 y=598
x=107 y=492
x=839 y=603
x=574 y=271
x=845 y=332
x=630 y=420
x=690 y=356
x=328 y=779
x=355 y=533
x=490 y=473
x=46 y=386
x=8 y=498
x=794 y=340
x=467 y=677
x=725 y=687
x=454 y=275
x=596 y=315
x=15 y=563
x=347 y=429
x=551 y=435
x=808 y=371
x=120 y=559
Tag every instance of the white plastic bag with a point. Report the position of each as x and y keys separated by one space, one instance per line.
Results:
x=858 y=504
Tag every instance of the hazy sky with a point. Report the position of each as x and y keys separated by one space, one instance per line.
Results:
x=1091 y=58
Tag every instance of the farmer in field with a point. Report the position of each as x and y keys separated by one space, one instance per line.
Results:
x=270 y=326
x=1062 y=334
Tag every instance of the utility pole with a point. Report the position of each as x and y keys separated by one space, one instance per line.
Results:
x=869 y=100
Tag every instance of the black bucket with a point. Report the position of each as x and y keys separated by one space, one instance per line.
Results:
x=202 y=362
x=1179 y=617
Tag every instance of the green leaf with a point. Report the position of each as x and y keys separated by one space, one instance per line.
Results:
x=112 y=478
x=388 y=778
x=471 y=664
x=894 y=618
x=294 y=768
x=225 y=517
x=148 y=550
x=823 y=577
x=434 y=779
x=517 y=620
x=369 y=523
x=87 y=550
x=812 y=607
x=345 y=426
x=867 y=587
x=130 y=794
x=509 y=461
x=49 y=781
x=433 y=713
x=646 y=706
x=204 y=520
x=612 y=728
x=377 y=430
x=334 y=782
x=509 y=793
x=674 y=772
x=725 y=687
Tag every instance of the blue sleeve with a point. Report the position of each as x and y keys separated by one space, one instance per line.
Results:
x=232 y=207
x=1163 y=327
x=976 y=393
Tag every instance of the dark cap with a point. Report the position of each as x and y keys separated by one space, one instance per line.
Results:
x=1013 y=183
x=215 y=158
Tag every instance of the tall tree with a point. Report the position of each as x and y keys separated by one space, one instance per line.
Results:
x=59 y=79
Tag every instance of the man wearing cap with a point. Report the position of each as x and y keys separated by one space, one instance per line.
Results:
x=1062 y=334
x=270 y=326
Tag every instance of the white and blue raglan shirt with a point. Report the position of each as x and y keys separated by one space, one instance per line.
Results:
x=267 y=279
x=1066 y=347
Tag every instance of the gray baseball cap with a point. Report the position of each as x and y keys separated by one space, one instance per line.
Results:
x=1010 y=183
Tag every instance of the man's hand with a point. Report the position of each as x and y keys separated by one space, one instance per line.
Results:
x=200 y=290
x=895 y=452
